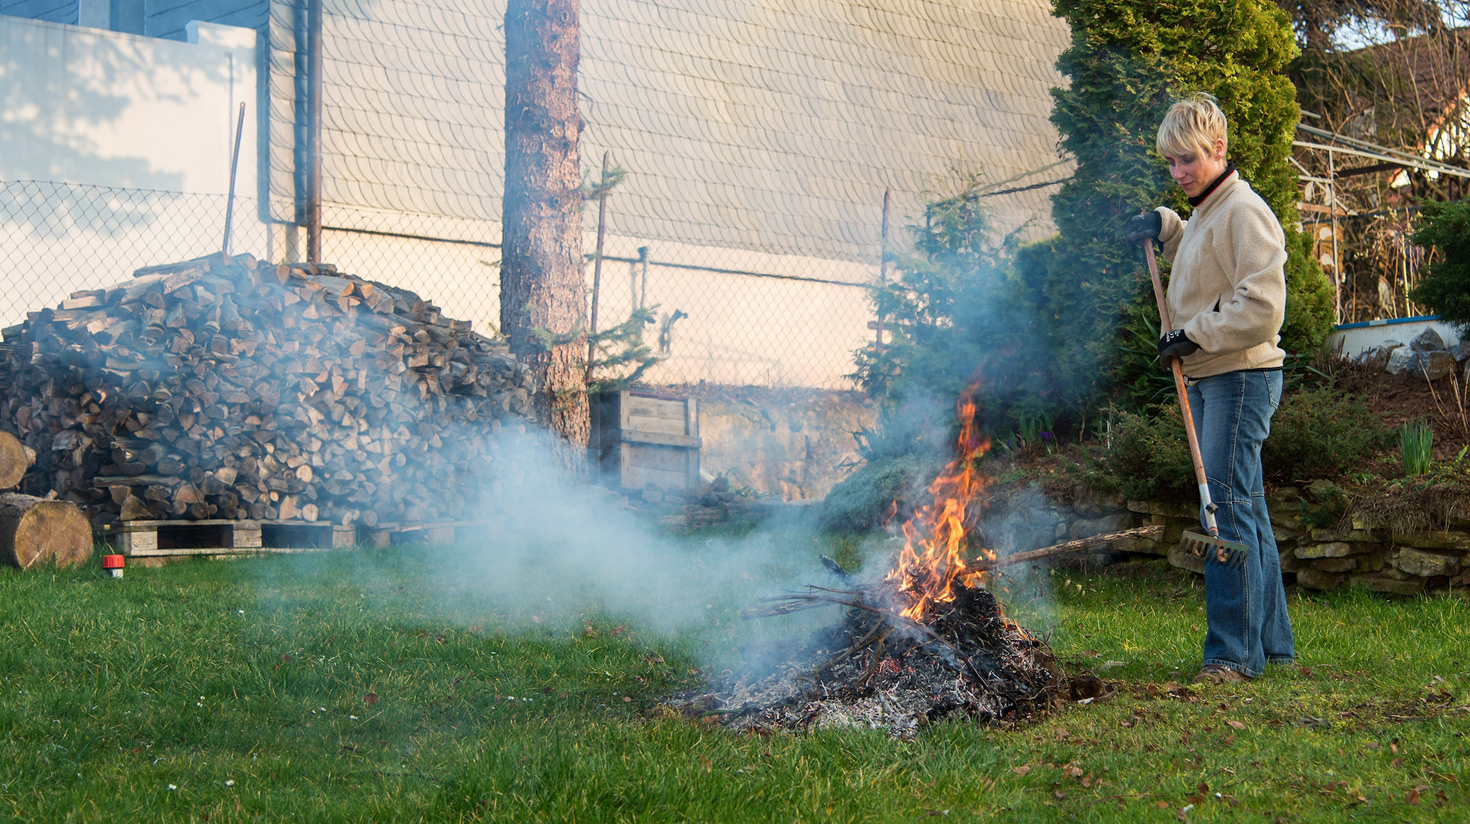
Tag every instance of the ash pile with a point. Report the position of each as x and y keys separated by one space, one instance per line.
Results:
x=878 y=668
x=226 y=387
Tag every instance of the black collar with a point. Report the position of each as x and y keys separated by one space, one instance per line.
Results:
x=1196 y=201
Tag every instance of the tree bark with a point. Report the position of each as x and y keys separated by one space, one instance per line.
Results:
x=35 y=530
x=543 y=291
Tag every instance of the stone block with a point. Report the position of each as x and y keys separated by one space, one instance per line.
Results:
x=1377 y=358
x=1335 y=564
x=1094 y=504
x=1382 y=583
x=1288 y=516
x=1432 y=365
x=1141 y=546
x=1428 y=341
x=1329 y=535
x=1316 y=579
x=1100 y=526
x=1434 y=540
x=1426 y=564
x=1333 y=549
x=1170 y=509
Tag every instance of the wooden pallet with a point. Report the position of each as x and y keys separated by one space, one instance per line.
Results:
x=163 y=538
x=446 y=533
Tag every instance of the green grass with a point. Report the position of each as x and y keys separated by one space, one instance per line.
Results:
x=381 y=686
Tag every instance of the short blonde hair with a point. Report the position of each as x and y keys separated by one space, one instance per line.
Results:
x=1192 y=125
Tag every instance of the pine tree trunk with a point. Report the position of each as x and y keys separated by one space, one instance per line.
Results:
x=543 y=290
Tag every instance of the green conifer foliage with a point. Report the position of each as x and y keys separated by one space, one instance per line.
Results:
x=1445 y=288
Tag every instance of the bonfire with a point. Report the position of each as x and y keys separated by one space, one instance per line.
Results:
x=927 y=641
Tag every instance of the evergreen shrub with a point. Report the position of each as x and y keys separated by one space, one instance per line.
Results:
x=1445 y=287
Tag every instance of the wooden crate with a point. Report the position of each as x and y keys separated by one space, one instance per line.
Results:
x=642 y=439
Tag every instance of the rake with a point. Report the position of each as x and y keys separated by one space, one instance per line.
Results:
x=1224 y=551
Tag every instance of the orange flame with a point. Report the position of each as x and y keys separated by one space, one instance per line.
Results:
x=932 y=563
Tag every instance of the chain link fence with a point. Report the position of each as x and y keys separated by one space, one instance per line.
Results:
x=722 y=316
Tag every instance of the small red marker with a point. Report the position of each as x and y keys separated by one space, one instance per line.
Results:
x=113 y=564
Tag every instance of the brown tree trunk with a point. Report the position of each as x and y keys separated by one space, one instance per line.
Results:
x=35 y=530
x=543 y=291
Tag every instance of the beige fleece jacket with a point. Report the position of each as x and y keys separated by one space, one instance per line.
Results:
x=1228 y=287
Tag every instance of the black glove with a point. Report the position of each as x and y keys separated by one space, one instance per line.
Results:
x=1147 y=225
x=1175 y=344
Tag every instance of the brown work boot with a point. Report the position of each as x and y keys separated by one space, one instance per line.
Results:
x=1216 y=674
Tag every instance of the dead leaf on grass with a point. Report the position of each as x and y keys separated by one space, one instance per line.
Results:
x=1236 y=725
x=370 y=699
x=1021 y=770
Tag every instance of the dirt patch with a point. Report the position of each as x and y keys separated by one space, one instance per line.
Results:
x=1400 y=399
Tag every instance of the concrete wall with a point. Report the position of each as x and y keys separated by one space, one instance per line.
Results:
x=84 y=113
x=1354 y=339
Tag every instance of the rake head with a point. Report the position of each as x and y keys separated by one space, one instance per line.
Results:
x=1207 y=546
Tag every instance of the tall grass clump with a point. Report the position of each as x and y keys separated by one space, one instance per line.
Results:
x=1416 y=447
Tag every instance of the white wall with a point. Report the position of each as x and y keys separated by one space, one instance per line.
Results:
x=116 y=117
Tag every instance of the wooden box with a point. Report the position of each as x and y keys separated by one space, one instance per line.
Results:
x=642 y=439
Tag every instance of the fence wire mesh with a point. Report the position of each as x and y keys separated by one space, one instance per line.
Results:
x=722 y=316
x=59 y=238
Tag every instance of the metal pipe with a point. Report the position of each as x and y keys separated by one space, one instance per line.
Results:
x=1422 y=165
x=314 y=131
x=882 y=270
x=230 y=200
x=597 y=268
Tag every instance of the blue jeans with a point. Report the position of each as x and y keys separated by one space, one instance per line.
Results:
x=1245 y=603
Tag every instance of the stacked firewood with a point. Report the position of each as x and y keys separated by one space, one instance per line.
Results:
x=235 y=389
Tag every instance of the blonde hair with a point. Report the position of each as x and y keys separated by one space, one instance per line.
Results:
x=1191 y=125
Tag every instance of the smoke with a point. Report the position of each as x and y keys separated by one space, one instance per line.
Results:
x=554 y=555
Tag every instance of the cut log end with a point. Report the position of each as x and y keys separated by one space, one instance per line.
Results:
x=15 y=459
x=37 y=532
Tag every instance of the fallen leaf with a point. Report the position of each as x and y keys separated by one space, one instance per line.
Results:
x=627 y=699
x=1073 y=770
x=1021 y=770
x=1412 y=796
x=370 y=699
x=1236 y=724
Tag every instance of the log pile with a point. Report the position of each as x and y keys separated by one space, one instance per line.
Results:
x=230 y=388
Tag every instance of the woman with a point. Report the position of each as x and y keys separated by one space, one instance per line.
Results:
x=1227 y=299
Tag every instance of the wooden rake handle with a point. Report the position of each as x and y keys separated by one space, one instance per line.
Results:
x=1194 y=453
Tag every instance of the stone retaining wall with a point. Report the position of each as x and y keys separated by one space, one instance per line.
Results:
x=1317 y=557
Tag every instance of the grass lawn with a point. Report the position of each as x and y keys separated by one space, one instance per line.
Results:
x=387 y=686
